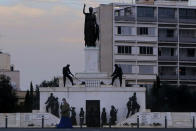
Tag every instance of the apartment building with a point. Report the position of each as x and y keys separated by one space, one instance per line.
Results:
x=149 y=38
x=7 y=69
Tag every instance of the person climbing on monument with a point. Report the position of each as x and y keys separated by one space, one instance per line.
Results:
x=117 y=74
x=67 y=73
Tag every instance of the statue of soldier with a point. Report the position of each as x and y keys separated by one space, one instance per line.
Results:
x=67 y=73
x=103 y=117
x=81 y=117
x=50 y=102
x=117 y=74
x=91 y=28
x=129 y=106
x=113 y=115
x=73 y=116
x=135 y=105
x=56 y=107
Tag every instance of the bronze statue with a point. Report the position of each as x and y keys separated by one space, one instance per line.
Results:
x=73 y=116
x=103 y=117
x=113 y=115
x=91 y=28
x=65 y=109
x=56 y=107
x=50 y=103
x=117 y=74
x=81 y=117
x=129 y=107
x=67 y=73
x=132 y=105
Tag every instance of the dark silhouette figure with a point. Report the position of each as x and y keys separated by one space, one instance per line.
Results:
x=67 y=73
x=81 y=116
x=50 y=103
x=91 y=28
x=73 y=116
x=135 y=105
x=56 y=107
x=113 y=115
x=117 y=74
x=129 y=107
x=104 y=117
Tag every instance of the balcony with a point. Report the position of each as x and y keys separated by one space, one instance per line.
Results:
x=168 y=39
x=167 y=20
x=189 y=21
x=187 y=39
x=168 y=77
x=168 y=58
x=185 y=58
x=187 y=77
x=147 y=19
x=124 y=18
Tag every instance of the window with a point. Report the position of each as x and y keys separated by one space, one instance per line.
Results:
x=128 y=11
x=146 y=50
x=166 y=13
x=145 y=12
x=124 y=30
x=126 y=69
x=172 y=52
x=143 y=30
x=182 y=71
x=170 y=33
x=190 y=52
x=187 y=13
x=146 y=69
x=124 y=49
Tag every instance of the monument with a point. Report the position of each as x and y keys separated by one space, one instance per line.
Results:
x=91 y=91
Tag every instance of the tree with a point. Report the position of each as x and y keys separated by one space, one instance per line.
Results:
x=27 y=102
x=8 y=99
x=31 y=96
x=52 y=83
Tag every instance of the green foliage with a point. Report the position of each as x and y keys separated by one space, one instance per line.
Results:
x=166 y=98
x=8 y=99
x=52 y=83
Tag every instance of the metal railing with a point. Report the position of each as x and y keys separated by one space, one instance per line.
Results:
x=168 y=58
x=169 y=77
x=124 y=18
x=168 y=39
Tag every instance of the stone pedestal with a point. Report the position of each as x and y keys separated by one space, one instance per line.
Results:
x=91 y=59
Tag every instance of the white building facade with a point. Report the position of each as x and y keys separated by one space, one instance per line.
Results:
x=148 y=39
x=7 y=69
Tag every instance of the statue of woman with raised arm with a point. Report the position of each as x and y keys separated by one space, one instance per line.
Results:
x=91 y=28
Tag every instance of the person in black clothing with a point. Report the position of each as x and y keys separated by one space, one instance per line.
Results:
x=117 y=74
x=50 y=103
x=67 y=73
x=73 y=116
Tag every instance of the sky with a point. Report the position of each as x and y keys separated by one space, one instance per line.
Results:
x=42 y=36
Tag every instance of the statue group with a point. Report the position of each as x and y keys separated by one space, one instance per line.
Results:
x=53 y=106
x=132 y=105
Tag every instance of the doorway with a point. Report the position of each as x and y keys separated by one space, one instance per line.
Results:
x=93 y=113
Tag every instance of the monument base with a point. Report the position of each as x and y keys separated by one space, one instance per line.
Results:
x=91 y=59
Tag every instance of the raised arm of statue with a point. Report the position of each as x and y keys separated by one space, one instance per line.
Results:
x=84 y=9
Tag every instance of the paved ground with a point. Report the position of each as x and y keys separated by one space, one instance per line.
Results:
x=96 y=129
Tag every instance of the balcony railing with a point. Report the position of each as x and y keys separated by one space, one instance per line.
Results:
x=167 y=20
x=168 y=39
x=168 y=77
x=185 y=58
x=147 y=19
x=168 y=58
x=190 y=21
x=124 y=18
x=188 y=77
x=187 y=39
